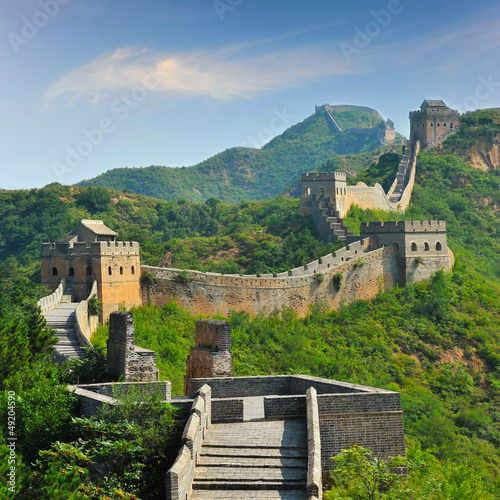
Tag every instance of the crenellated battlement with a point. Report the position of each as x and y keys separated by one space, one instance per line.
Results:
x=90 y=247
x=323 y=176
x=403 y=227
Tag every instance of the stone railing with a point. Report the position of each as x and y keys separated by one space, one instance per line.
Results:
x=314 y=472
x=48 y=303
x=85 y=324
x=179 y=478
x=92 y=396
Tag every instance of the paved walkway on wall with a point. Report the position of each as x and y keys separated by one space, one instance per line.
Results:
x=253 y=459
x=62 y=320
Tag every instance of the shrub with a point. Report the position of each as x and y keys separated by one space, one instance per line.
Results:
x=148 y=278
x=95 y=306
x=337 y=281
x=184 y=277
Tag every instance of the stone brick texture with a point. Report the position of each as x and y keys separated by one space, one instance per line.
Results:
x=211 y=356
x=348 y=414
x=125 y=359
x=115 y=265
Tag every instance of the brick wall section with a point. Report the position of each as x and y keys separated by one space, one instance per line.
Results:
x=284 y=407
x=348 y=413
x=373 y=420
x=163 y=388
x=212 y=293
x=227 y=410
x=90 y=402
x=125 y=359
x=179 y=478
x=211 y=356
x=276 y=385
x=92 y=396
x=314 y=471
x=299 y=384
x=235 y=387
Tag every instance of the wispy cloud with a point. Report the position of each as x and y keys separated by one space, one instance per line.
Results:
x=223 y=75
x=450 y=50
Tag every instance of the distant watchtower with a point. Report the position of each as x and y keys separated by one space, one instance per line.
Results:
x=91 y=253
x=422 y=246
x=433 y=123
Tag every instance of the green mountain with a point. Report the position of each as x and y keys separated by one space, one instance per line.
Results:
x=254 y=174
x=437 y=342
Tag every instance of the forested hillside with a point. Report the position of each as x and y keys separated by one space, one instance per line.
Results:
x=247 y=173
x=437 y=342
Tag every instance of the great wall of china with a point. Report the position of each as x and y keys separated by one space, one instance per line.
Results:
x=383 y=256
x=251 y=437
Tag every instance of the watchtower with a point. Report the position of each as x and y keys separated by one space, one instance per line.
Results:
x=422 y=246
x=331 y=186
x=91 y=253
x=433 y=123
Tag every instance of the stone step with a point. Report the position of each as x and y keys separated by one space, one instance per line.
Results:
x=249 y=484
x=262 y=462
x=249 y=494
x=235 y=451
x=250 y=473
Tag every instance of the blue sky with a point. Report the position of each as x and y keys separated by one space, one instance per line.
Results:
x=90 y=85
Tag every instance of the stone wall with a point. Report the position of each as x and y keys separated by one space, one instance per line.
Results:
x=179 y=478
x=372 y=420
x=314 y=468
x=115 y=265
x=432 y=124
x=347 y=414
x=92 y=397
x=125 y=359
x=363 y=275
x=211 y=356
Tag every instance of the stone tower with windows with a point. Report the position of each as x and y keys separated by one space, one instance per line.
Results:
x=421 y=245
x=433 y=123
x=91 y=253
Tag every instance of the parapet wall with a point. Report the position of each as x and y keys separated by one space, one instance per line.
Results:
x=345 y=414
x=408 y=226
x=363 y=274
x=95 y=248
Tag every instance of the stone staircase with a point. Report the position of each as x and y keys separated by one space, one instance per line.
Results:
x=253 y=459
x=334 y=224
x=62 y=319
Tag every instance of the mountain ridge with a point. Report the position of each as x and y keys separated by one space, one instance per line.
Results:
x=247 y=173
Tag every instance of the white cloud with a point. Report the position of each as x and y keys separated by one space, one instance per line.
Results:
x=221 y=75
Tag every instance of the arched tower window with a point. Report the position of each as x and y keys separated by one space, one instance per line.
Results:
x=133 y=270
x=413 y=247
x=71 y=271
x=451 y=125
x=121 y=270
x=109 y=270
x=89 y=271
x=426 y=246
x=438 y=246
x=308 y=192
x=395 y=245
x=54 y=271
x=322 y=192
